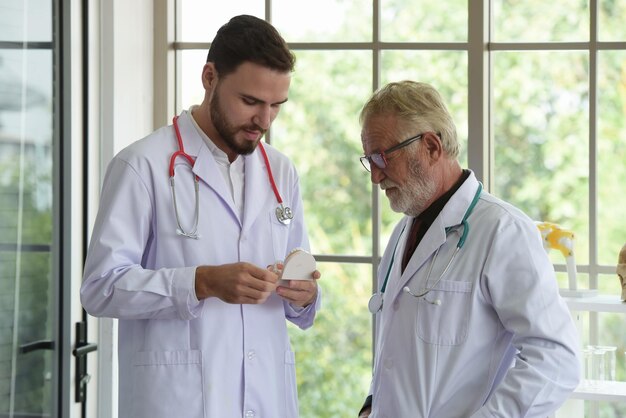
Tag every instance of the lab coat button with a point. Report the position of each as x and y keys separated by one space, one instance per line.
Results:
x=250 y=414
x=251 y=356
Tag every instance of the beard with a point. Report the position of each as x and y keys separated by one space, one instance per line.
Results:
x=412 y=198
x=228 y=131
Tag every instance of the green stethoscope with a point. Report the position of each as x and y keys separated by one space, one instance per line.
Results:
x=376 y=301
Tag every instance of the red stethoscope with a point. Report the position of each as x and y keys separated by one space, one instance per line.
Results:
x=284 y=214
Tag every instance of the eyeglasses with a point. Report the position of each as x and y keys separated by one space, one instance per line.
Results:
x=379 y=160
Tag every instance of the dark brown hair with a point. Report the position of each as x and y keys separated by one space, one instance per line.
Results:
x=248 y=38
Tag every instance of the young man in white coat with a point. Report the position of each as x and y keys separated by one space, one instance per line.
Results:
x=189 y=221
x=470 y=322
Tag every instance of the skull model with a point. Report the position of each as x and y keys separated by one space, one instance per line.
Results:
x=621 y=270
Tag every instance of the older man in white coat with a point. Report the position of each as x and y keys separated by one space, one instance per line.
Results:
x=184 y=264
x=468 y=312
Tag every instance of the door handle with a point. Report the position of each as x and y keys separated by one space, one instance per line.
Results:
x=36 y=345
x=84 y=349
x=80 y=351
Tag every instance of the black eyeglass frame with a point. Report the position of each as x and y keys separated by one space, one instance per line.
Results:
x=368 y=160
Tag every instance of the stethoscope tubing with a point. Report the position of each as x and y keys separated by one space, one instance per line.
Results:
x=284 y=214
x=377 y=299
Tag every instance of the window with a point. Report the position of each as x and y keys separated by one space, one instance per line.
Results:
x=538 y=93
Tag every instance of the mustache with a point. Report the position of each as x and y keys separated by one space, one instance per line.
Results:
x=254 y=127
x=386 y=184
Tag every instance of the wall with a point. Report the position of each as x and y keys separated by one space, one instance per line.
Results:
x=121 y=112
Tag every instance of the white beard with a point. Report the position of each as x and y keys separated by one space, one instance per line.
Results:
x=412 y=198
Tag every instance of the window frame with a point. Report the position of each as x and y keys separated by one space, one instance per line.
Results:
x=479 y=48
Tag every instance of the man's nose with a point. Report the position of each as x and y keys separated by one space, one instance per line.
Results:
x=263 y=117
x=376 y=174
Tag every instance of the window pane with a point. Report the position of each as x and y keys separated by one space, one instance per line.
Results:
x=323 y=20
x=201 y=18
x=562 y=277
x=26 y=21
x=611 y=334
x=609 y=346
x=334 y=357
x=423 y=21
x=190 y=64
x=540 y=20
x=319 y=130
x=611 y=155
x=540 y=117
x=26 y=281
x=447 y=72
x=611 y=18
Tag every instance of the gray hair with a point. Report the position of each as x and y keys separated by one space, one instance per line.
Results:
x=419 y=104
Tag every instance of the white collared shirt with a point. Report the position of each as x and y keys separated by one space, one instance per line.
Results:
x=233 y=173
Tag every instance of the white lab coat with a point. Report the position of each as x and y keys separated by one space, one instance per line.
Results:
x=501 y=341
x=180 y=357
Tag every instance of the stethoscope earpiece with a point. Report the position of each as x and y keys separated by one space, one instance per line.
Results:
x=406 y=289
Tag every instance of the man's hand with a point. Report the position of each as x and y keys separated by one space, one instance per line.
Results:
x=235 y=283
x=300 y=292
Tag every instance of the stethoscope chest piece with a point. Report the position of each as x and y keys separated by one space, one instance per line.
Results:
x=284 y=214
x=376 y=303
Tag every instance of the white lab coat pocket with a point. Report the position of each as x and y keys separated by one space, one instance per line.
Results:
x=280 y=235
x=291 y=391
x=168 y=384
x=443 y=313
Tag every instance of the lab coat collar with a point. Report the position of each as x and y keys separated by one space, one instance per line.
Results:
x=257 y=189
x=451 y=215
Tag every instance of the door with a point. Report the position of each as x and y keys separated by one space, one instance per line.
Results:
x=28 y=282
x=38 y=216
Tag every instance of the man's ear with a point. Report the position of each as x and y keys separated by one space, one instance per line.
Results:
x=433 y=145
x=209 y=76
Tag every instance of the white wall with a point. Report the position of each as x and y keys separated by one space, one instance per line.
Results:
x=121 y=112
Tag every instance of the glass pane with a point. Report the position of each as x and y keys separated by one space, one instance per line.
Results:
x=190 y=64
x=447 y=72
x=540 y=21
x=423 y=20
x=30 y=20
x=611 y=155
x=541 y=137
x=334 y=357
x=562 y=277
x=610 y=331
x=319 y=130
x=26 y=298
x=323 y=20
x=201 y=18
x=579 y=408
x=603 y=362
x=611 y=18
x=609 y=284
